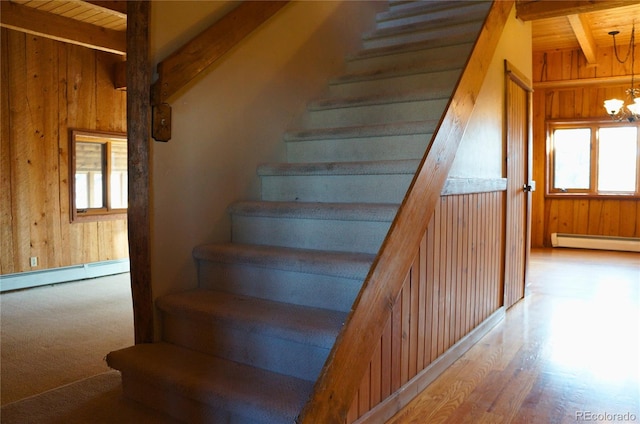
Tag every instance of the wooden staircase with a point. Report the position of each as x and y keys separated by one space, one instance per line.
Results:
x=249 y=344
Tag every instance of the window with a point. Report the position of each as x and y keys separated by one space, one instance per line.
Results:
x=593 y=158
x=98 y=171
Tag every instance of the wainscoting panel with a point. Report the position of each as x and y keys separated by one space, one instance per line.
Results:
x=454 y=285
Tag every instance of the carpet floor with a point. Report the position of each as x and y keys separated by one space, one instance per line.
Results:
x=52 y=336
x=95 y=400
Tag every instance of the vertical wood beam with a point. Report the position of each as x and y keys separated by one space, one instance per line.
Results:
x=139 y=131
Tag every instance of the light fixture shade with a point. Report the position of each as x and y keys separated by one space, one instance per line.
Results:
x=613 y=106
x=635 y=106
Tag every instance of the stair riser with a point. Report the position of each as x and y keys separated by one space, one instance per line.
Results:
x=174 y=403
x=247 y=347
x=452 y=55
x=353 y=149
x=468 y=29
x=388 y=188
x=395 y=6
x=298 y=288
x=442 y=82
x=425 y=15
x=333 y=235
x=376 y=114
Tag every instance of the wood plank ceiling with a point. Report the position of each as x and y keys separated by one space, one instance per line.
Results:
x=584 y=24
x=556 y=24
x=98 y=25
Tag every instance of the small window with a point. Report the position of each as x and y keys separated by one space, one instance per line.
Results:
x=98 y=175
x=593 y=158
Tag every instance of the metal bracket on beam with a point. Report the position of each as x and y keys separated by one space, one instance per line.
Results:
x=161 y=122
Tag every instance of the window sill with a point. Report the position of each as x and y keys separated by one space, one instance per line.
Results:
x=94 y=217
x=615 y=196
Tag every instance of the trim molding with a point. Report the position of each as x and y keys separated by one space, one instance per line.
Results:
x=454 y=186
x=25 y=280
x=401 y=398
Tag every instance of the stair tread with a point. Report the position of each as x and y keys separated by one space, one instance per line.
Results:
x=420 y=8
x=400 y=71
x=384 y=212
x=385 y=167
x=245 y=390
x=464 y=14
x=340 y=264
x=379 y=99
x=312 y=326
x=378 y=130
x=411 y=47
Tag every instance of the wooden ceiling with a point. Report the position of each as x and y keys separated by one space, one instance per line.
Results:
x=579 y=24
x=100 y=25
x=556 y=24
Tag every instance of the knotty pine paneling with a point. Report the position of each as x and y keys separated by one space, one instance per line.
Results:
x=454 y=284
x=48 y=88
x=613 y=217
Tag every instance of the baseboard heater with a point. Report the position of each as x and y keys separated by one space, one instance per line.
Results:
x=580 y=241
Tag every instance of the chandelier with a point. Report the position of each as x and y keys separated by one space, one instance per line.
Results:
x=615 y=107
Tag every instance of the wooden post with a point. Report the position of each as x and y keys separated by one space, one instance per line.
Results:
x=138 y=131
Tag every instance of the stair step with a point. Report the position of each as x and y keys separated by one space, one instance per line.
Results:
x=381 y=130
x=330 y=103
x=401 y=5
x=327 y=226
x=279 y=337
x=395 y=141
x=431 y=52
x=393 y=37
x=376 y=109
x=396 y=82
x=313 y=278
x=338 y=264
x=398 y=71
x=388 y=167
x=423 y=12
x=200 y=388
x=338 y=182
x=319 y=211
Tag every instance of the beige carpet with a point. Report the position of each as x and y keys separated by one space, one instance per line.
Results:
x=54 y=335
x=95 y=400
x=53 y=343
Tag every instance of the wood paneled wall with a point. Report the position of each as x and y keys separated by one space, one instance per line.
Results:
x=454 y=284
x=615 y=217
x=47 y=89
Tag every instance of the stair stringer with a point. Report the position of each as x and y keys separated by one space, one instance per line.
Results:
x=341 y=375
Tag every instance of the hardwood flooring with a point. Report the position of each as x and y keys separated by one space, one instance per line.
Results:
x=567 y=353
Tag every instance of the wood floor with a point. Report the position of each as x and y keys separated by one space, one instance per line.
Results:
x=569 y=352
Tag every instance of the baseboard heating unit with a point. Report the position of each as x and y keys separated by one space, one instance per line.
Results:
x=580 y=241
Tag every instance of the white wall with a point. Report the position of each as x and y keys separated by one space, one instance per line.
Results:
x=233 y=118
x=482 y=149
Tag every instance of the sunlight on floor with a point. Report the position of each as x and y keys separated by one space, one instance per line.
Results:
x=591 y=337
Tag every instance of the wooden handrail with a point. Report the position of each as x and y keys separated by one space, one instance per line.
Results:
x=195 y=56
x=341 y=376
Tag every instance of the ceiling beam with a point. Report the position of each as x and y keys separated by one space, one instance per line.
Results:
x=583 y=33
x=529 y=10
x=43 y=24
